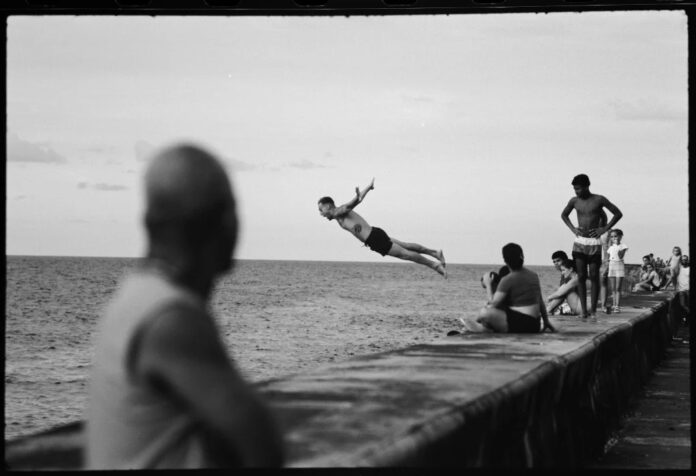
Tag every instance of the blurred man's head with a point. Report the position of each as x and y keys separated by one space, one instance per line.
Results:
x=190 y=207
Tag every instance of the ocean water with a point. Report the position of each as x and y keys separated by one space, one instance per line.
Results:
x=276 y=318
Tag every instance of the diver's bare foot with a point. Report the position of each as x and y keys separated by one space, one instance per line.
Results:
x=442 y=270
x=441 y=258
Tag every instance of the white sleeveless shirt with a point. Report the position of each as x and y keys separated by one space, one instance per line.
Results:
x=129 y=424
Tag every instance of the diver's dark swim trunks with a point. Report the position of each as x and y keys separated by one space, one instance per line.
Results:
x=520 y=322
x=379 y=241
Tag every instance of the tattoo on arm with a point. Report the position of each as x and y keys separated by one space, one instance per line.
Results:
x=357 y=228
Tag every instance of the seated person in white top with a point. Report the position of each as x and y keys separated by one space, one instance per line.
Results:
x=164 y=392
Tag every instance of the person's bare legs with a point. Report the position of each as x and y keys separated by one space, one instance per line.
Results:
x=574 y=302
x=553 y=304
x=472 y=325
x=617 y=291
x=684 y=302
x=493 y=319
x=581 y=269
x=603 y=290
x=417 y=248
x=594 y=291
x=398 y=251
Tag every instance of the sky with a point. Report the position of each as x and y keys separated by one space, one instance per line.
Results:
x=473 y=127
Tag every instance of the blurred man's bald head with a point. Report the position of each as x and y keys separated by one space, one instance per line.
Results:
x=184 y=181
x=188 y=198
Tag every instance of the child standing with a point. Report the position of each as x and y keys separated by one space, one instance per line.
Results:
x=616 y=252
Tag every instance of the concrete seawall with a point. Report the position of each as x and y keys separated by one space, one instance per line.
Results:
x=484 y=400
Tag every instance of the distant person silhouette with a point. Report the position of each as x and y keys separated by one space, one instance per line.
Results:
x=163 y=390
x=376 y=238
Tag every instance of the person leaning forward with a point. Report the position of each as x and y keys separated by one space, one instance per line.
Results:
x=163 y=391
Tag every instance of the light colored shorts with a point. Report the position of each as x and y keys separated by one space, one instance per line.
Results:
x=616 y=269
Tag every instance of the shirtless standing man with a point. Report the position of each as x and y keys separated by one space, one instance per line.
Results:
x=376 y=238
x=587 y=248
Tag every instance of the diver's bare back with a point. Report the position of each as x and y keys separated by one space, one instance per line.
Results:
x=355 y=224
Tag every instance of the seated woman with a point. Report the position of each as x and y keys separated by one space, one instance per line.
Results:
x=567 y=292
x=517 y=304
x=649 y=280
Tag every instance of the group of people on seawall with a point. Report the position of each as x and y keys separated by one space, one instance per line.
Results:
x=515 y=302
x=163 y=390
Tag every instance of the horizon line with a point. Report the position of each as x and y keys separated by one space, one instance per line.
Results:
x=281 y=259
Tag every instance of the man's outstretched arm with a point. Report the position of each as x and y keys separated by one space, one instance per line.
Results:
x=359 y=196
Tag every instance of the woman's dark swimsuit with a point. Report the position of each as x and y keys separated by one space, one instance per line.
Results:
x=379 y=241
x=520 y=322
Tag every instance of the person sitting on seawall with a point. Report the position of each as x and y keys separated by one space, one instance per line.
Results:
x=649 y=280
x=489 y=282
x=673 y=265
x=517 y=305
x=558 y=257
x=682 y=287
x=644 y=268
x=163 y=392
x=566 y=293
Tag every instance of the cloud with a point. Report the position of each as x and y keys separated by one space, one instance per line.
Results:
x=19 y=150
x=306 y=165
x=105 y=187
x=239 y=165
x=647 y=111
x=102 y=187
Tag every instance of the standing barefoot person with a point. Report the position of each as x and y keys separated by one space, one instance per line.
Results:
x=587 y=248
x=376 y=238
x=616 y=251
x=674 y=265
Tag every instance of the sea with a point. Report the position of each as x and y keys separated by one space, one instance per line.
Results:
x=276 y=318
